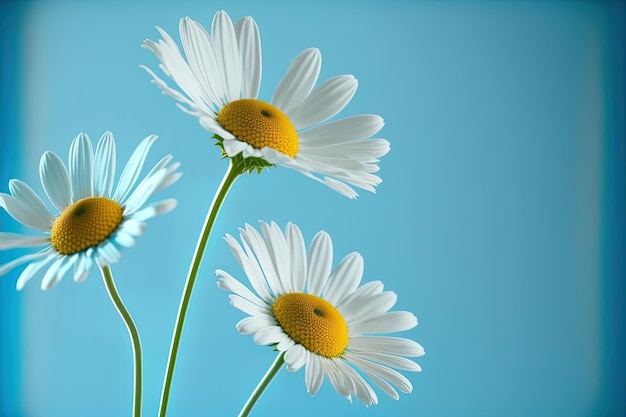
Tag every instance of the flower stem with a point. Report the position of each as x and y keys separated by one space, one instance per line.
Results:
x=229 y=178
x=265 y=381
x=134 y=336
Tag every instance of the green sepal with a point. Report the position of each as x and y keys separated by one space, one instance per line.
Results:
x=240 y=163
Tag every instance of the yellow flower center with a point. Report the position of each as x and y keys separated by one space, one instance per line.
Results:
x=313 y=322
x=85 y=223
x=259 y=124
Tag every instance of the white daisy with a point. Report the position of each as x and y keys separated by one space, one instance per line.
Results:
x=320 y=318
x=94 y=222
x=220 y=77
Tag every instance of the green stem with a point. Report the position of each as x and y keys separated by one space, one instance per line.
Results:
x=228 y=180
x=134 y=336
x=265 y=381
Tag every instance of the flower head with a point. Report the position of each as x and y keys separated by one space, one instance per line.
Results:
x=220 y=77
x=320 y=318
x=94 y=221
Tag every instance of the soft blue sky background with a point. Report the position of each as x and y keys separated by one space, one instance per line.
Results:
x=499 y=222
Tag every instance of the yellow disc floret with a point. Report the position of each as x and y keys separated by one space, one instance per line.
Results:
x=259 y=124
x=85 y=223
x=313 y=322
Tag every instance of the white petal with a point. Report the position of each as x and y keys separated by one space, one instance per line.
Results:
x=250 y=267
x=133 y=226
x=345 y=130
x=368 y=308
x=338 y=168
x=345 y=279
x=325 y=101
x=107 y=253
x=298 y=82
x=398 y=362
x=195 y=107
x=254 y=240
x=174 y=66
x=156 y=209
x=55 y=272
x=320 y=262
x=229 y=283
x=235 y=146
x=227 y=53
x=124 y=239
x=313 y=374
x=384 y=372
x=268 y=335
x=353 y=155
x=209 y=123
x=390 y=322
x=249 y=43
x=360 y=388
x=277 y=246
x=31 y=206
x=364 y=391
x=81 y=166
x=13 y=207
x=162 y=164
x=252 y=324
x=81 y=276
x=341 y=188
x=202 y=60
x=171 y=177
x=365 y=291
x=387 y=344
x=16 y=240
x=297 y=255
x=21 y=260
x=55 y=180
x=305 y=167
x=82 y=266
x=339 y=380
x=133 y=168
x=30 y=271
x=246 y=305
x=386 y=387
x=295 y=357
x=143 y=192
x=285 y=344
x=104 y=165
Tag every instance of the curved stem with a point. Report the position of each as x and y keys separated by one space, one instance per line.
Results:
x=228 y=180
x=134 y=336
x=265 y=381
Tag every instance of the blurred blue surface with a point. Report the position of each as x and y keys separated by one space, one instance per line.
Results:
x=500 y=221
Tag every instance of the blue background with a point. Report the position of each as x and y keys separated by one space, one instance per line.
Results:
x=500 y=221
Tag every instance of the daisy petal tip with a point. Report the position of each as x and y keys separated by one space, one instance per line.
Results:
x=386 y=147
x=47 y=285
x=168 y=205
x=79 y=279
x=313 y=51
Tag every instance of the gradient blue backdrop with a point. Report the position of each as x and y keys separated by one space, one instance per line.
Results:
x=499 y=222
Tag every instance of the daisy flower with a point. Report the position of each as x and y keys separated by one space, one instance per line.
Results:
x=93 y=221
x=220 y=76
x=320 y=318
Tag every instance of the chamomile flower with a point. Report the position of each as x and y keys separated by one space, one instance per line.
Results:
x=93 y=221
x=220 y=77
x=319 y=317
